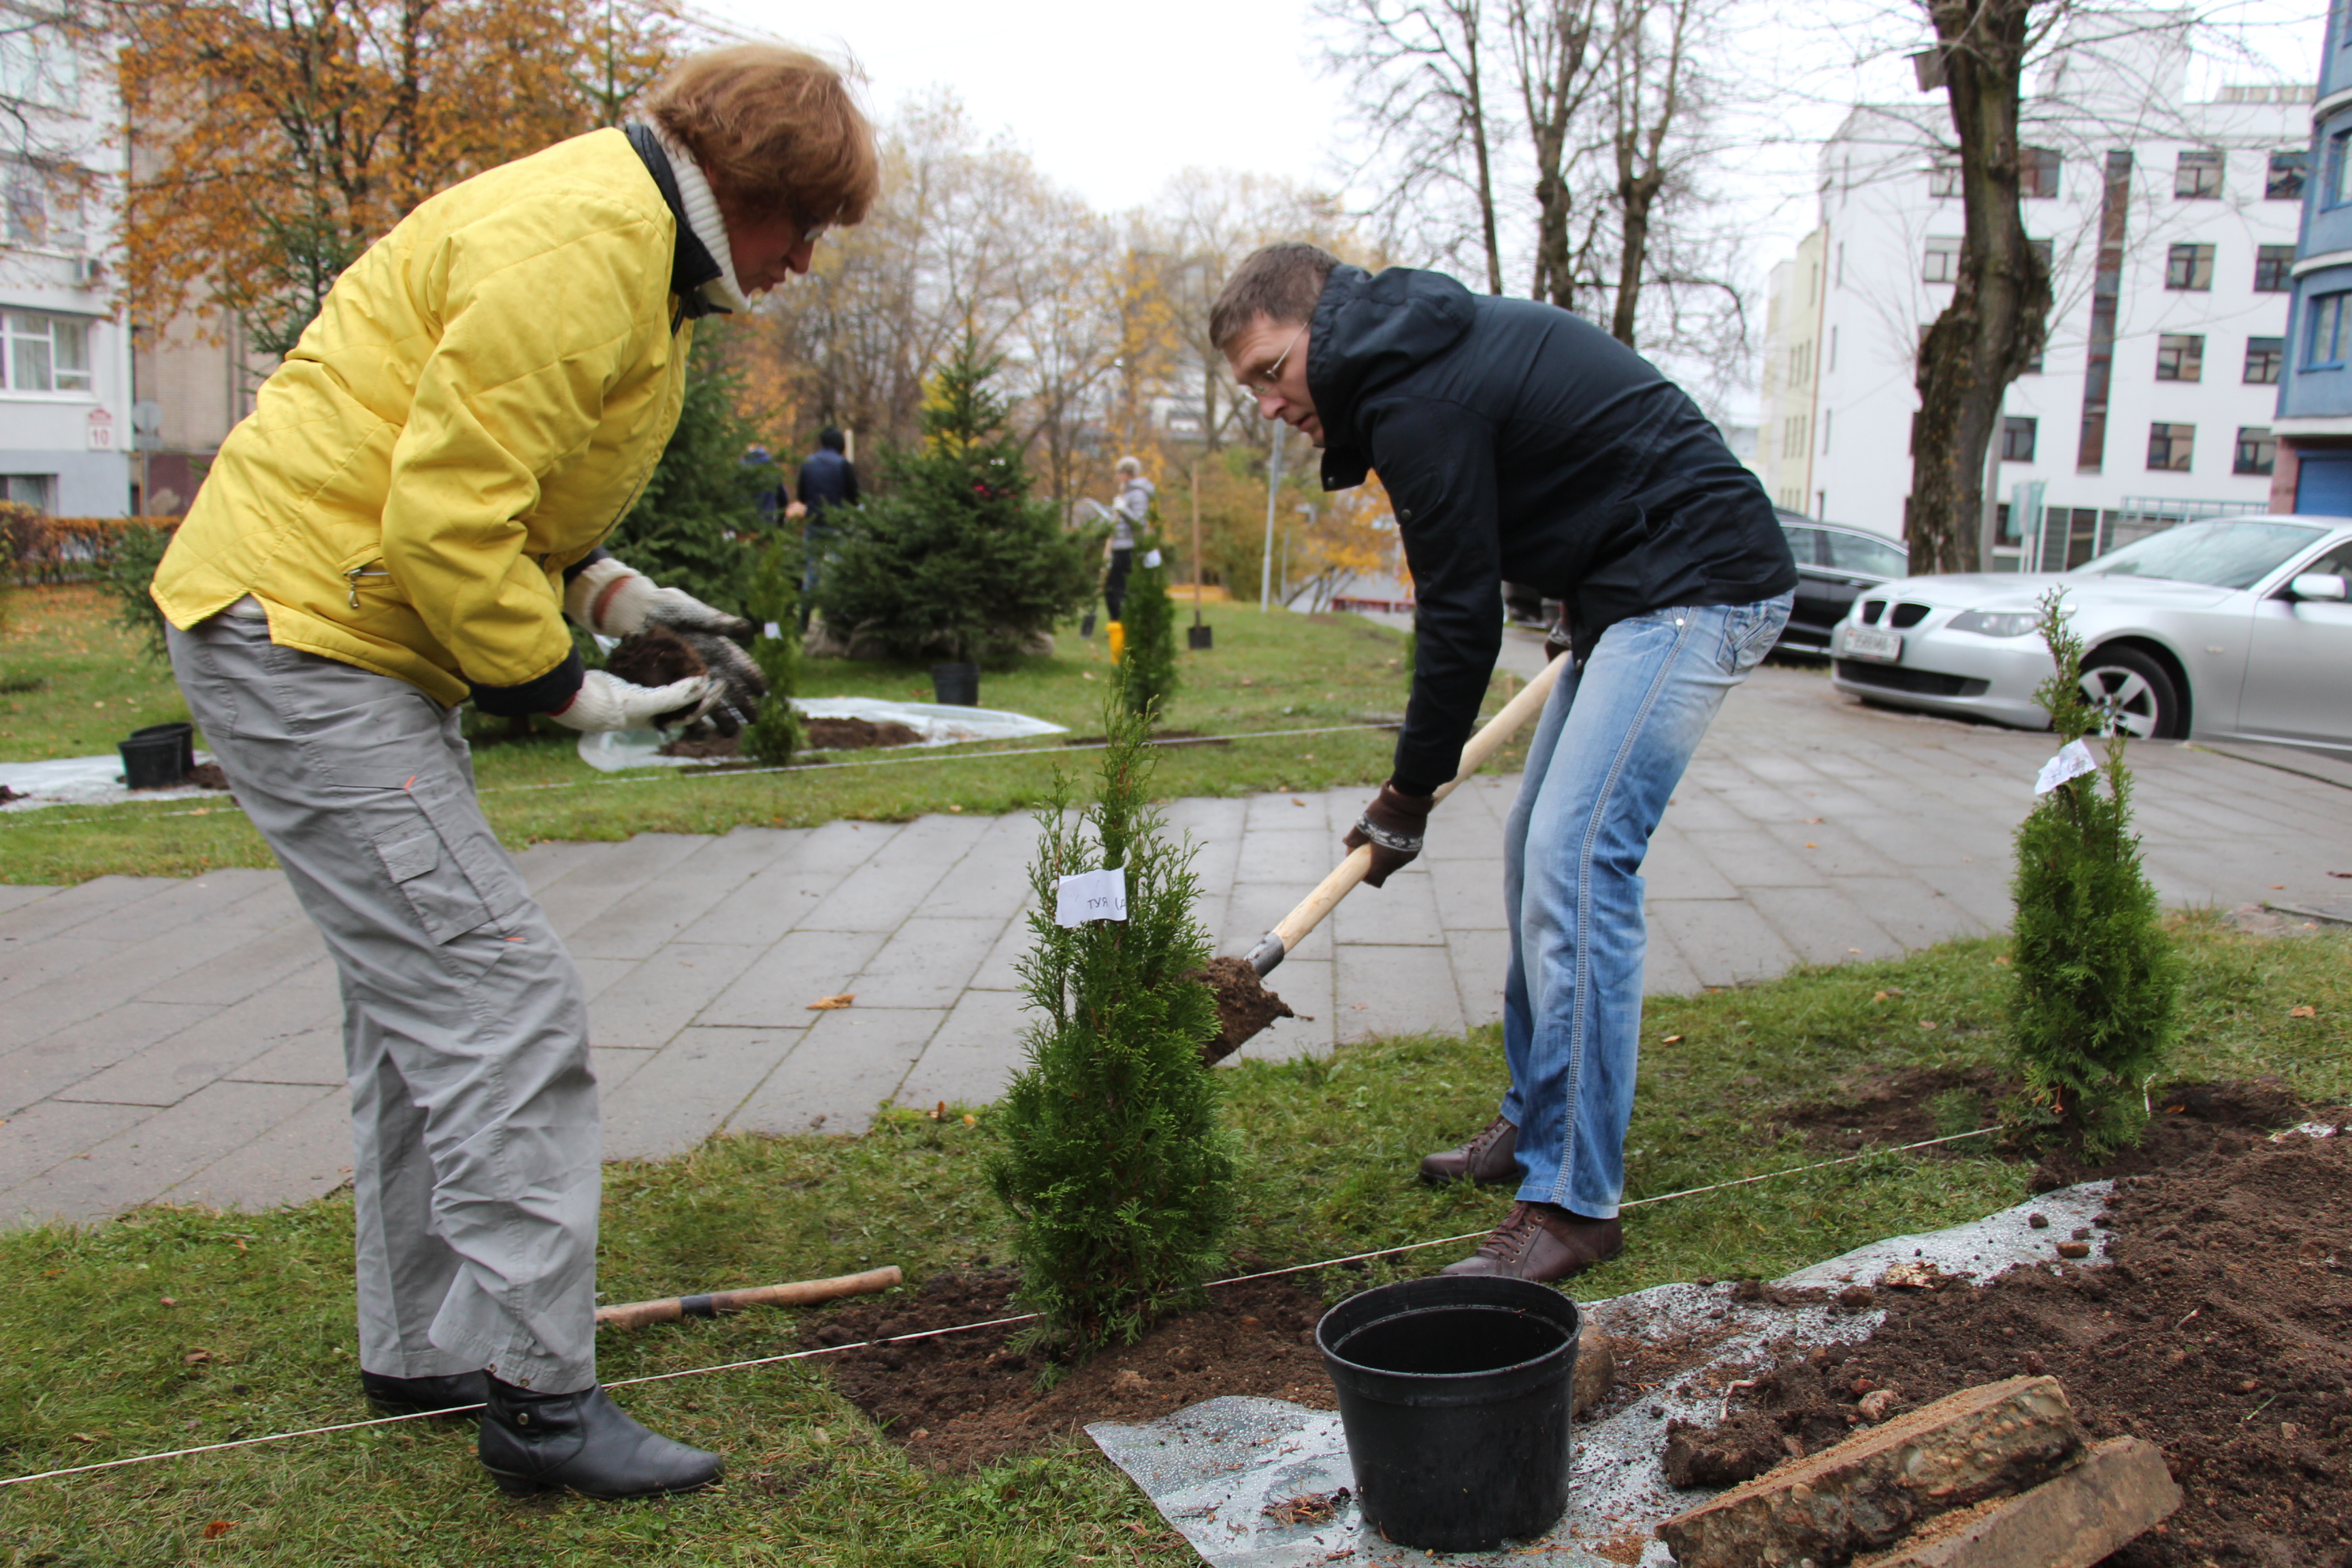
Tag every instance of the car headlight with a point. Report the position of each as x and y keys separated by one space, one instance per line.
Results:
x=1996 y=622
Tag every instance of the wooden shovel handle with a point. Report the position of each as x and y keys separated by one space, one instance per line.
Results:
x=1489 y=740
x=796 y=1293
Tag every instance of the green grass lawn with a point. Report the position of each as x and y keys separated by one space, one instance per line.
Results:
x=95 y=1363
x=86 y=684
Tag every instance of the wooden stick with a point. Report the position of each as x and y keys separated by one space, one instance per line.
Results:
x=798 y=1293
x=1275 y=944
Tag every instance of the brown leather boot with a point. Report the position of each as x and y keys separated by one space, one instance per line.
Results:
x=1543 y=1242
x=1488 y=1159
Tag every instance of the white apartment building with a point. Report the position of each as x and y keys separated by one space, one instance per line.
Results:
x=2170 y=228
x=64 y=360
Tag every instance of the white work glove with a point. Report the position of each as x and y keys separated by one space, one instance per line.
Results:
x=606 y=701
x=614 y=600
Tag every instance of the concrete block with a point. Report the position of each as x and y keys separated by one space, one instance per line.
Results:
x=637 y=925
x=16 y=895
x=689 y=1090
x=1401 y=913
x=41 y=1135
x=1469 y=895
x=1871 y=1489
x=28 y=964
x=252 y=966
x=1724 y=942
x=1481 y=963
x=852 y=1061
x=225 y=1044
x=763 y=909
x=308 y=1056
x=603 y=879
x=1754 y=859
x=1822 y=925
x=148 y=1158
x=305 y=1156
x=57 y=1062
x=926 y=963
x=661 y=996
x=775 y=991
x=1395 y=991
x=2072 y=1520
x=1664 y=971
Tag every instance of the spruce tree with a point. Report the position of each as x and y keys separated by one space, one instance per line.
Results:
x=2097 y=983
x=1147 y=675
x=774 y=604
x=1119 y=1183
x=688 y=526
x=954 y=556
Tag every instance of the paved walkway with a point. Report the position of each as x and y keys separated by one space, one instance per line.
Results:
x=177 y=1040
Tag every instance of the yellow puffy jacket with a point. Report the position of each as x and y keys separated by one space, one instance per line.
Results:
x=482 y=396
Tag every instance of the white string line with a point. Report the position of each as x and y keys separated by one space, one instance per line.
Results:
x=41 y=819
x=960 y=1328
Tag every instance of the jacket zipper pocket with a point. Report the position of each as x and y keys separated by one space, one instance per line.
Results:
x=355 y=574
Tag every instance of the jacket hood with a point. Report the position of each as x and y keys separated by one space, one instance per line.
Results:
x=1367 y=331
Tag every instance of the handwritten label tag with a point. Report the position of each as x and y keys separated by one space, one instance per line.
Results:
x=1151 y=558
x=771 y=631
x=2072 y=761
x=1091 y=896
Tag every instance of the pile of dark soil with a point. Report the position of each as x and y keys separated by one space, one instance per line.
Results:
x=817 y=734
x=654 y=656
x=1244 y=1005
x=2217 y=1325
x=206 y=775
x=961 y=1400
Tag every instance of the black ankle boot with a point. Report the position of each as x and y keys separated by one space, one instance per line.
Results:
x=461 y=1392
x=535 y=1442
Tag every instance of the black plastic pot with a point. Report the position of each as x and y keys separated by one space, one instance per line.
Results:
x=159 y=756
x=956 y=683
x=1200 y=636
x=1457 y=1396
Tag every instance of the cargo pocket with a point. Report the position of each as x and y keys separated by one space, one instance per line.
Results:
x=454 y=879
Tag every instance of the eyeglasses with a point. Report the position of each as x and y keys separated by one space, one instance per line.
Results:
x=1261 y=384
x=810 y=227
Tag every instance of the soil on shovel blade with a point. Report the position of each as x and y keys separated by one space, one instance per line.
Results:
x=2217 y=1324
x=1244 y=1005
x=961 y=1400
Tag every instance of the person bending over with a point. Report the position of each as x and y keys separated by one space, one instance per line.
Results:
x=1519 y=441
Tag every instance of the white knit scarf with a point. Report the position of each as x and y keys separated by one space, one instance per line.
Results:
x=701 y=205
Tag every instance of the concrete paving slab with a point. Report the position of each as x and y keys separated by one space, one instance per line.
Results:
x=601 y=881
x=1254 y=909
x=1664 y=971
x=1910 y=911
x=1822 y=925
x=975 y=1053
x=1411 y=989
x=28 y=964
x=1481 y=963
x=250 y=968
x=41 y=1135
x=689 y=1089
x=148 y=1158
x=73 y=907
x=765 y=908
x=998 y=971
x=851 y=1062
x=1724 y=941
x=1305 y=983
x=307 y=1055
x=802 y=967
x=614 y=1065
x=1401 y=913
x=926 y=963
x=219 y=1044
x=53 y=1064
x=638 y=925
x=1469 y=895
x=665 y=992
x=306 y=1155
x=16 y=895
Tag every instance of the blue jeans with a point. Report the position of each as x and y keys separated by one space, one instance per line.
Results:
x=1612 y=744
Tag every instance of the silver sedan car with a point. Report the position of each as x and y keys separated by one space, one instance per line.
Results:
x=2236 y=628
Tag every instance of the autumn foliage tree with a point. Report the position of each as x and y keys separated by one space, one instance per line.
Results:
x=275 y=140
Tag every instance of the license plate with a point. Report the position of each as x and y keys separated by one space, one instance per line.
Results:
x=1869 y=642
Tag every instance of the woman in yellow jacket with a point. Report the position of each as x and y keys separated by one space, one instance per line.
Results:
x=402 y=524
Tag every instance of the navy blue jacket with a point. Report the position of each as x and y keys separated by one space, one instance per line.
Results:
x=827 y=478
x=1520 y=442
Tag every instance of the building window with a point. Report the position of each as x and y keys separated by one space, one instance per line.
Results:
x=2198 y=176
x=1944 y=176
x=39 y=65
x=2189 y=267
x=35 y=490
x=2180 y=356
x=2339 y=169
x=44 y=353
x=2016 y=440
x=2263 y=357
x=1825 y=431
x=2324 y=344
x=1943 y=261
x=2284 y=181
x=2257 y=450
x=2037 y=172
x=1795 y=436
x=2168 y=446
x=2273 y=268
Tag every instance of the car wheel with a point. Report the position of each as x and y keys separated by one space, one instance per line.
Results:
x=2132 y=693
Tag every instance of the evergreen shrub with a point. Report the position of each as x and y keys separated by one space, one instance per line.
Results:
x=1148 y=677
x=2097 y=984
x=127 y=573
x=952 y=557
x=775 y=732
x=1107 y=1155
x=691 y=526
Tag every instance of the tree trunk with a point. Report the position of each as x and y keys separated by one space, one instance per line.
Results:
x=1475 y=84
x=2001 y=301
x=1636 y=194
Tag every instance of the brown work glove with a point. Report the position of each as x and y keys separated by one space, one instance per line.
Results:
x=1561 y=638
x=1393 y=825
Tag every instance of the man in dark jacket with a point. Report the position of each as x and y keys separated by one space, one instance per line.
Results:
x=1518 y=441
x=828 y=480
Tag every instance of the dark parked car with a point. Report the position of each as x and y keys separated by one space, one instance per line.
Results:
x=1834 y=564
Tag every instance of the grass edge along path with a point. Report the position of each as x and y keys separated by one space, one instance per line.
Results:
x=168 y=1328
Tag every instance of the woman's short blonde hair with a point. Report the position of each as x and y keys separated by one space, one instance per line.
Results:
x=776 y=129
x=1130 y=465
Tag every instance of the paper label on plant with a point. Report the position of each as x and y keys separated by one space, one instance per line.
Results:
x=1151 y=558
x=771 y=631
x=1091 y=896
x=2072 y=761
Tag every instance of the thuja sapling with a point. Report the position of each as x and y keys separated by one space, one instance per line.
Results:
x=1148 y=668
x=775 y=732
x=2097 y=989
x=1108 y=1157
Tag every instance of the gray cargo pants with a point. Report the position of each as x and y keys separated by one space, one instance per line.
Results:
x=475 y=1170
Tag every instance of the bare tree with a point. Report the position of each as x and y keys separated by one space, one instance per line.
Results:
x=1551 y=43
x=1418 y=73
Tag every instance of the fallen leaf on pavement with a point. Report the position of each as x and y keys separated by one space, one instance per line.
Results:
x=827 y=1004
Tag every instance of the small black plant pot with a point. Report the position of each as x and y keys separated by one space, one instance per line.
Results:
x=957 y=685
x=1197 y=638
x=159 y=756
x=1456 y=1394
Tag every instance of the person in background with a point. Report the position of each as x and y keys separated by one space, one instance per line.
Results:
x=403 y=525
x=1129 y=513
x=828 y=480
x=769 y=495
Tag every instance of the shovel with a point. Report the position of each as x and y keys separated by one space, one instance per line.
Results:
x=1245 y=1006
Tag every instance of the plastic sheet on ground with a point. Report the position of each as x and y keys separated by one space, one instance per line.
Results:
x=84 y=781
x=938 y=723
x=1214 y=1470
